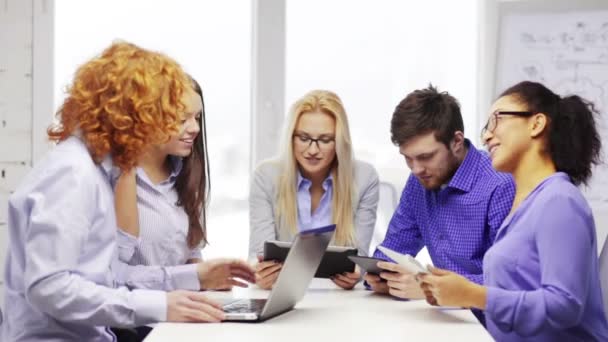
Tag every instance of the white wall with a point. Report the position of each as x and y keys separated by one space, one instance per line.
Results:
x=492 y=12
x=268 y=78
x=15 y=104
x=25 y=99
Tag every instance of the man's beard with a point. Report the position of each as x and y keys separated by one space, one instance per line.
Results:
x=444 y=177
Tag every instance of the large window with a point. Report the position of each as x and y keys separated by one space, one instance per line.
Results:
x=212 y=40
x=373 y=53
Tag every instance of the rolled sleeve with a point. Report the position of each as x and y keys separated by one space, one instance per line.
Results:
x=127 y=244
x=499 y=306
x=195 y=253
x=184 y=277
x=170 y=278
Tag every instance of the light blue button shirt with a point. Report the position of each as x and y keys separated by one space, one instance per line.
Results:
x=63 y=278
x=163 y=225
x=323 y=214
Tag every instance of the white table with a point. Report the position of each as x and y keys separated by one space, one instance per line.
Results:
x=328 y=313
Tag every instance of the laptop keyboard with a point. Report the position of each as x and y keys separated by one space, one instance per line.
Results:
x=245 y=306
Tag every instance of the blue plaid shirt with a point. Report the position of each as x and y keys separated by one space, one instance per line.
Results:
x=456 y=223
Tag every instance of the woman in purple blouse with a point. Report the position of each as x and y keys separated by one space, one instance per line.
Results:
x=541 y=276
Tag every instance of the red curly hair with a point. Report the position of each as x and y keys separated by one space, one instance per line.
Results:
x=123 y=101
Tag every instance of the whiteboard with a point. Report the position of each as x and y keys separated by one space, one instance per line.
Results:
x=568 y=52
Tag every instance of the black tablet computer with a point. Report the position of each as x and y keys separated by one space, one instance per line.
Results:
x=367 y=264
x=335 y=260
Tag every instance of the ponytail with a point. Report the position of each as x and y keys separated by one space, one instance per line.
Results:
x=574 y=142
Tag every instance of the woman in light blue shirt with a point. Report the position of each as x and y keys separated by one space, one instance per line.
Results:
x=64 y=281
x=541 y=276
x=314 y=182
x=160 y=204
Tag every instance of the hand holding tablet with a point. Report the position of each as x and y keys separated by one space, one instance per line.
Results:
x=367 y=264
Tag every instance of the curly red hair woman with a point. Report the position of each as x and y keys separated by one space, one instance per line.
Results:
x=63 y=278
x=122 y=101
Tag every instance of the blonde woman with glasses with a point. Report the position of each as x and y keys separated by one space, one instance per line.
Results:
x=314 y=182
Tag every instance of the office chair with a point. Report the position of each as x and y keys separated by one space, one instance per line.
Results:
x=387 y=202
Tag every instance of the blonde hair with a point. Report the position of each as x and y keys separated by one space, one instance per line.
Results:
x=123 y=101
x=342 y=170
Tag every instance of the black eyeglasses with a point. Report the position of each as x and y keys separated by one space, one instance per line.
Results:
x=303 y=142
x=493 y=120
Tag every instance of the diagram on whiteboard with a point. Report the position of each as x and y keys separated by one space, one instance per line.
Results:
x=568 y=52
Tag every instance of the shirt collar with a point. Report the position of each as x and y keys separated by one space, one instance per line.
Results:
x=301 y=181
x=466 y=173
x=112 y=171
x=176 y=167
x=107 y=165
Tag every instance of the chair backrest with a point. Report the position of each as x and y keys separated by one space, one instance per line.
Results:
x=387 y=202
x=604 y=275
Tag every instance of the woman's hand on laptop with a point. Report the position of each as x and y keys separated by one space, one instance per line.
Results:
x=223 y=274
x=347 y=280
x=267 y=272
x=189 y=306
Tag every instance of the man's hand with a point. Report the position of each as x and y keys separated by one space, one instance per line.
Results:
x=188 y=306
x=376 y=283
x=267 y=272
x=223 y=274
x=400 y=282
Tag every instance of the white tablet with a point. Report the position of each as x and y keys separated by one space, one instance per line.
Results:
x=407 y=261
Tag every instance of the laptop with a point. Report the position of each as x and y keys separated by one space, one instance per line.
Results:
x=296 y=274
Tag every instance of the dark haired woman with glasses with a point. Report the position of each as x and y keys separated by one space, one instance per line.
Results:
x=315 y=182
x=541 y=276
